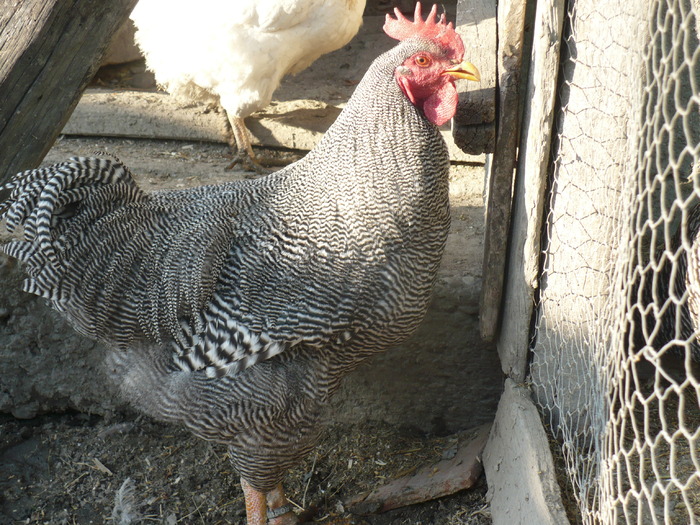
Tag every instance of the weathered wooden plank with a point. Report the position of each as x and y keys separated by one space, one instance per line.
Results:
x=49 y=50
x=528 y=199
x=286 y=123
x=297 y=124
x=511 y=31
x=430 y=482
x=474 y=125
x=518 y=464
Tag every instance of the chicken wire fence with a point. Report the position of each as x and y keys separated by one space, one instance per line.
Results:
x=614 y=353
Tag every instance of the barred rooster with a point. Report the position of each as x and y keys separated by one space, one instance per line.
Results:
x=237 y=309
x=236 y=53
x=665 y=296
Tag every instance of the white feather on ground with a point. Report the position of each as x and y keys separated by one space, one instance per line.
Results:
x=126 y=506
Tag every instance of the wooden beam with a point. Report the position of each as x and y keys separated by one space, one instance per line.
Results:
x=529 y=197
x=519 y=466
x=511 y=31
x=287 y=123
x=49 y=51
x=474 y=125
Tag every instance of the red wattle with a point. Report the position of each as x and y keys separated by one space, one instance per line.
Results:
x=441 y=105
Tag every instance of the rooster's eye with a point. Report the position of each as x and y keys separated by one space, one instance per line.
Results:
x=423 y=61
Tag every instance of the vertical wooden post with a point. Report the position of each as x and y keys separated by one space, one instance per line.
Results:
x=511 y=31
x=528 y=199
x=49 y=51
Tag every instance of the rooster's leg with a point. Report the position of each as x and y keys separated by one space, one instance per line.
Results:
x=255 y=505
x=280 y=511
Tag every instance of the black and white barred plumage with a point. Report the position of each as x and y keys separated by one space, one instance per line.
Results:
x=680 y=287
x=236 y=309
x=665 y=295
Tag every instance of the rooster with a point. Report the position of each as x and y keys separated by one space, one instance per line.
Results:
x=236 y=309
x=236 y=53
x=665 y=294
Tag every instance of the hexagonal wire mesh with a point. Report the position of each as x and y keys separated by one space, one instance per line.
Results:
x=614 y=355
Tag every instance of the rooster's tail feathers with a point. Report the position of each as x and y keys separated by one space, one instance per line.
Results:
x=42 y=199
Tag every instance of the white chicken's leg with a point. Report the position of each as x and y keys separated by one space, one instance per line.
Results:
x=245 y=156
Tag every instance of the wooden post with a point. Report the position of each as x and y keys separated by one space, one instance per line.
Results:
x=511 y=30
x=474 y=125
x=49 y=51
x=528 y=205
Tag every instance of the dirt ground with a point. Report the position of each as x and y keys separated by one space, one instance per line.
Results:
x=68 y=468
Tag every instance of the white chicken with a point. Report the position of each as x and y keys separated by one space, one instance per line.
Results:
x=237 y=52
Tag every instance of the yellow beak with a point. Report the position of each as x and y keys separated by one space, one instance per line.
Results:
x=465 y=70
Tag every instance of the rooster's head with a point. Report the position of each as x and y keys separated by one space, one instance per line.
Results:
x=427 y=77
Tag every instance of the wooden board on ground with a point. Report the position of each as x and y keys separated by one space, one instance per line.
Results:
x=446 y=477
x=295 y=124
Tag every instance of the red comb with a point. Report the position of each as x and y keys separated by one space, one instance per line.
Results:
x=431 y=28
